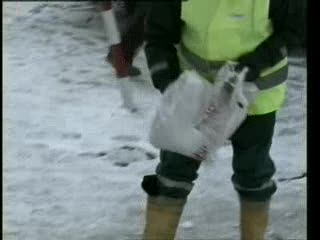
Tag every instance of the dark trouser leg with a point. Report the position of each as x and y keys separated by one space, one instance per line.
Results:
x=132 y=40
x=167 y=193
x=253 y=169
x=252 y=164
x=174 y=176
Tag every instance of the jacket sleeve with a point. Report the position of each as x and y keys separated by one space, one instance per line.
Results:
x=288 y=20
x=162 y=33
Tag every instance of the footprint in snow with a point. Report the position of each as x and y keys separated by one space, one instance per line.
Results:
x=127 y=138
x=71 y=135
x=83 y=71
x=93 y=154
x=66 y=33
x=21 y=64
x=287 y=132
x=125 y=155
x=38 y=9
x=122 y=156
x=92 y=83
x=39 y=145
x=65 y=80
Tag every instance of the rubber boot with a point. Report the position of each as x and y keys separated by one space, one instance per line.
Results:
x=253 y=219
x=162 y=218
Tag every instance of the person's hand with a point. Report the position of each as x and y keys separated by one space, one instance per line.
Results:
x=251 y=75
x=250 y=89
x=201 y=154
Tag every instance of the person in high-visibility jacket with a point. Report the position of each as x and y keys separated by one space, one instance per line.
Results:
x=203 y=35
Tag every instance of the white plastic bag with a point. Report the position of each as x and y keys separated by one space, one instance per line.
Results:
x=183 y=123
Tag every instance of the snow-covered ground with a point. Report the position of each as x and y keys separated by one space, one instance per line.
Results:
x=74 y=159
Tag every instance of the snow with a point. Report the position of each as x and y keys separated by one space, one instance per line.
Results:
x=74 y=158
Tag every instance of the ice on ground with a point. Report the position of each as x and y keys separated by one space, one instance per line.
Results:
x=74 y=159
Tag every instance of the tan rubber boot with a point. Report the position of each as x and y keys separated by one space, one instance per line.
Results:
x=162 y=218
x=253 y=219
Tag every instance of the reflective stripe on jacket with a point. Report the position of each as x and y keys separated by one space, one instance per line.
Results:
x=222 y=30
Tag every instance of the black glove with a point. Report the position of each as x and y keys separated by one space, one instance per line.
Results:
x=252 y=74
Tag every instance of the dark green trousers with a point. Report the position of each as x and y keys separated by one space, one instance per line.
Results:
x=252 y=165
